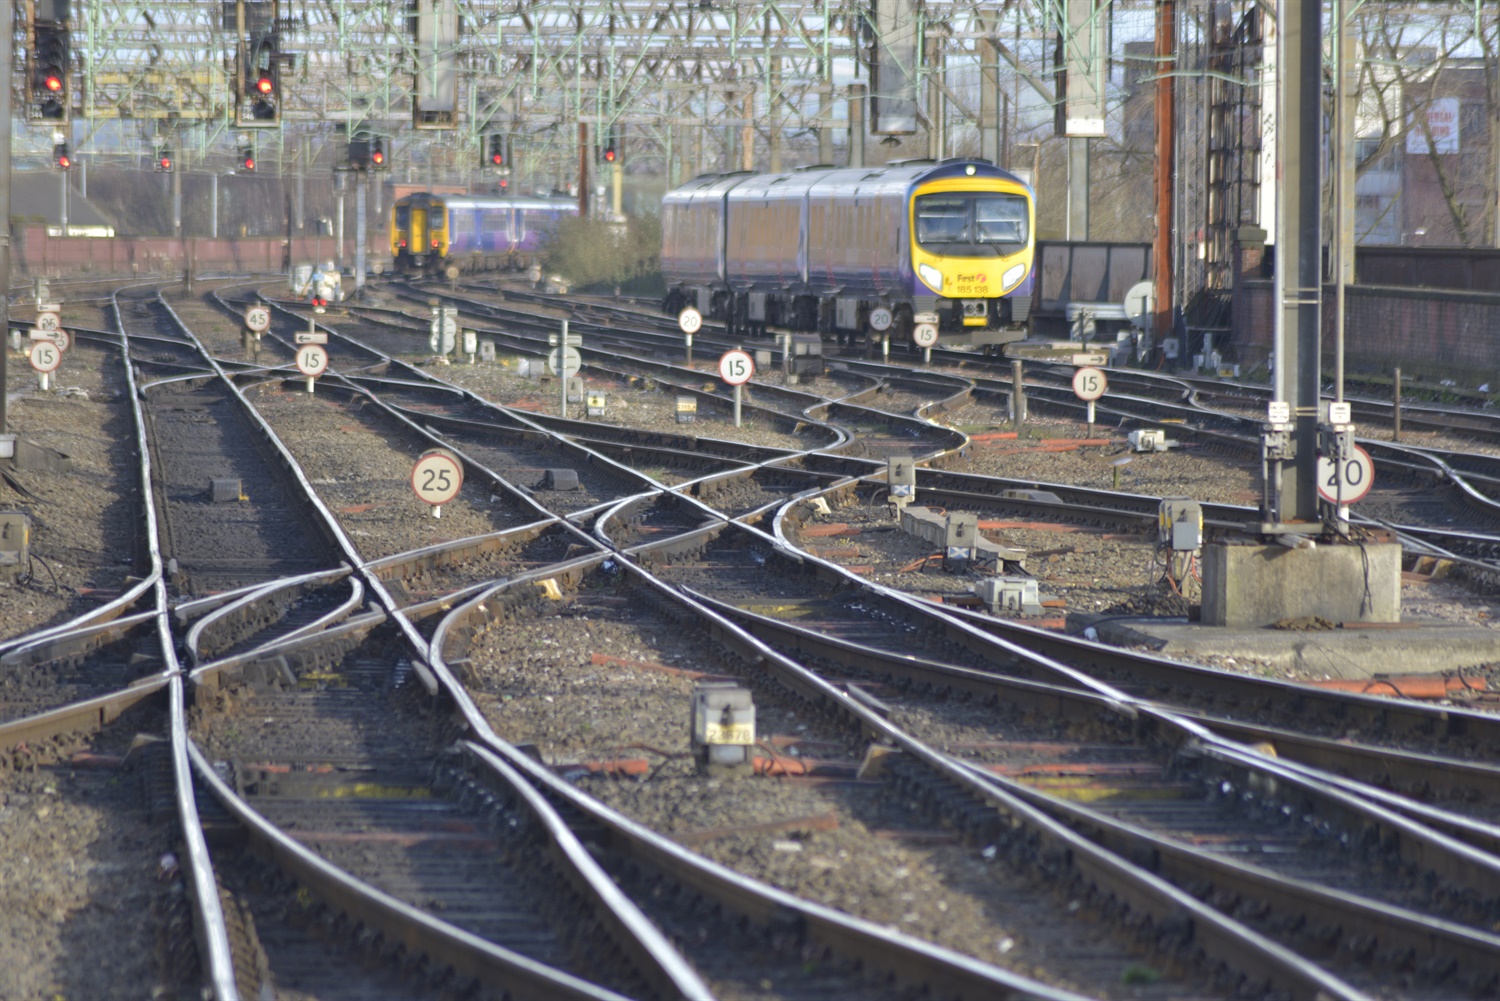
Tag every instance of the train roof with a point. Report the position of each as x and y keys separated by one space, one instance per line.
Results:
x=746 y=184
x=482 y=202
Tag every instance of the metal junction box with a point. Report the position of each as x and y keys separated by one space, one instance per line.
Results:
x=1179 y=523
x=723 y=729
x=962 y=535
x=1017 y=595
x=687 y=409
x=15 y=543
x=901 y=477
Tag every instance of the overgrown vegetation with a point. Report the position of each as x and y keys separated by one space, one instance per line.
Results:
x=594 y=254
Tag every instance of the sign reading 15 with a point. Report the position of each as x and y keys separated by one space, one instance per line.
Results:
x=736 y=367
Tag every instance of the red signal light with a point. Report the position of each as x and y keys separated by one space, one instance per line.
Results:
x=497 y=159
x=377 y=158
x=166 y=164
x=609 y=155
x=65 y=162
x=249 y=163
x=264 y=85
x=53 y=82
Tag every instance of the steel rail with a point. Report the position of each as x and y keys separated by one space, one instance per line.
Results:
x=650 y=951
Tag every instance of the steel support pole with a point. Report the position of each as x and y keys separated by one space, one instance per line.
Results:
x=361 y=235
x=302 y=166
x=62 y=200
x=338 y=239
x=213 y=205
x=989 y=95
x=177 y=201
x=5 y=73
x=1299 y=254
x=1078 y=189
x=583 y=170
x=1161 y=249
x=857 y=124
x=1344 y=111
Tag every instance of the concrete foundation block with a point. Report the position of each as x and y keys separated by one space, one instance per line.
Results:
x=1249 y=586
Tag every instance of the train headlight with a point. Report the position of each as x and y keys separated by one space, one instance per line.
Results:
x=1012 y=275
x=931 y=275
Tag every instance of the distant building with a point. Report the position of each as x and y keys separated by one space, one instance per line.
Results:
x=37 y=197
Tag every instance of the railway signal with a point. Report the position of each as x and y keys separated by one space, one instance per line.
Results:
x=247 y=159
x=51 y=42
x=496 y=156
x=61 y=157
x=163 y=161
x=258 y=101
x=377 y=153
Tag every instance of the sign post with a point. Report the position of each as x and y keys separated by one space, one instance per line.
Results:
x=312 y=361
x=925 y=335
x=45 y=357
x=1089 y=384
x=437 y=478
x=736 y=367
x=689 y=321
x=257 y=322
x=564 y=361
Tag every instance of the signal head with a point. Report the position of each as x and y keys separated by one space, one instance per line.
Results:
x=264 y=85
x=609 y=155
x=378 y=158
x=53 y=82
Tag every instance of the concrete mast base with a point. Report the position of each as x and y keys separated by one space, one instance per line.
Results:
x=1257 y=585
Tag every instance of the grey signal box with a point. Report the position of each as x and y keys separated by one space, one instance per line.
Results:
x=901 y=478
x=15 y=543
x=963 y=535
x=723 y=726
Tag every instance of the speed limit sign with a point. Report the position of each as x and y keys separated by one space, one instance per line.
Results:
x=736 y=367
x=312 y=359
x=258 y=319
x=45 y=356
x=924 y=335
x=62 y=339
x=48 y=321
x=1089 y=384
x=437 y=477
x=880 y=319
x=689 y=321
x=1353 y=477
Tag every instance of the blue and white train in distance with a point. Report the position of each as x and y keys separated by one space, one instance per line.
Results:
x=432 y=232
x=949 y=243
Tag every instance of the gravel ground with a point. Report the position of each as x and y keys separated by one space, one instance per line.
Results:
x=566 y=676
x=82 y=900
x=83 y=524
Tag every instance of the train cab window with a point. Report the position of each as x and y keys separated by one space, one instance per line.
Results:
x=1000 y=219
x=963 y=223
x=403 y=216
x=435 y=219
x=943 y=220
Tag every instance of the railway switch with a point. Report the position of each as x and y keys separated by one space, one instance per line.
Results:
x=224 y=490
x=723 y=729
x=1017 y=595
x=901 y=477
x=15 y=543
x=1179 y=522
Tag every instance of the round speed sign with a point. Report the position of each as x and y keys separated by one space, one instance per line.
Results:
x=62 y=339
x=312 y=359
x=736 y=367
x=881 y=319
x=45 y=356
x=689 y=321
x=437 y=477
x=258 y=319
x=1089 y=384
x=48 y=322
x=1357 y=473
x=924 y=335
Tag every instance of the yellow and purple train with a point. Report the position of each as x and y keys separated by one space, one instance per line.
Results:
x=949 y=243
x=430 y=232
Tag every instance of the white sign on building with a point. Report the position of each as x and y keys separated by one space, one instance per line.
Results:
x=1442 y=125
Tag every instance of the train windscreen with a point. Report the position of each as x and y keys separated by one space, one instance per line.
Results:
x=963 y=223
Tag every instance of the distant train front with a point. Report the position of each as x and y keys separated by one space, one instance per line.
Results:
x=431 y=232
x=950 y=243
